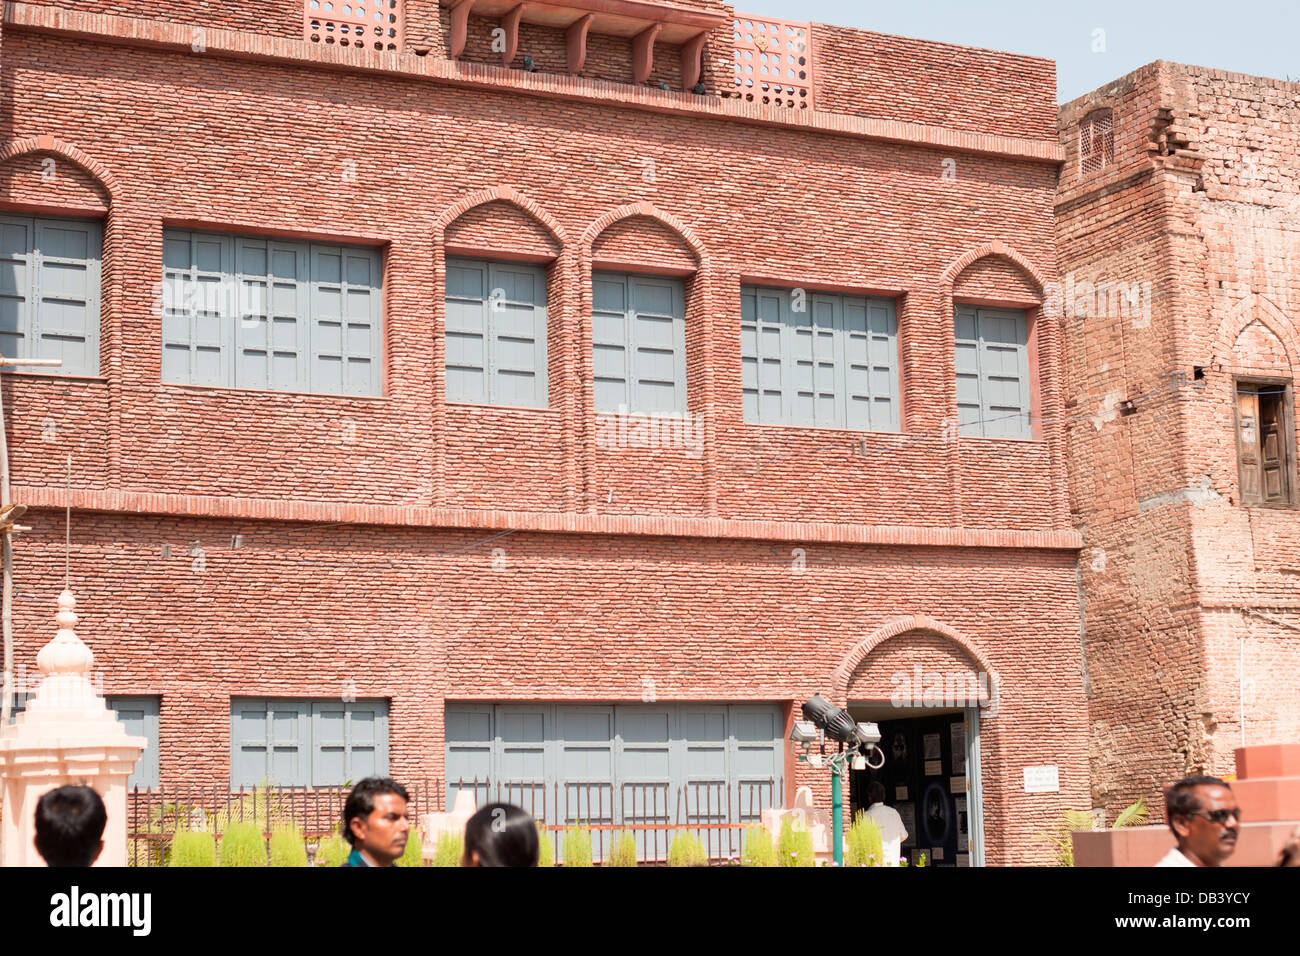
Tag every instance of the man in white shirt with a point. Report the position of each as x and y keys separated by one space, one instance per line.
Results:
x=892 y=833
x=1202 y=812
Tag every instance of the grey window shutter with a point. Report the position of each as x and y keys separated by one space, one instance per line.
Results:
x=611 y=343
x=470 y=744
x=273 y=306
x=516 y=316
x=585 y=752
x=252 y=345
x=992 y=362
x=345 y=320
x=199 y=315
x=17 y=282
x=657 y=332
x=140 y=715
x=349 y=741
x=466 y=338
x=67 y=294
x=524 y=757
x=270 y=742
x=764 y=315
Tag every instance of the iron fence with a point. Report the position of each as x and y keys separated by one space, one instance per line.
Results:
x=653 y=812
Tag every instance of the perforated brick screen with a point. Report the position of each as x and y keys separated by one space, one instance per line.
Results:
x=1096 y=141
x=773 y=62
x=372 y=24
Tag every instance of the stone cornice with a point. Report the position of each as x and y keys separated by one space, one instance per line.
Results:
x=154 y=34
x=328 y=512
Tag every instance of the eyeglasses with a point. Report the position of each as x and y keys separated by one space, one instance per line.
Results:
x=1217 y=816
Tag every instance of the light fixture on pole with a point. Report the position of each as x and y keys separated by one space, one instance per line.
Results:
x=862 y=740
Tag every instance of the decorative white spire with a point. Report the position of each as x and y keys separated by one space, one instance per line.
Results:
x=66 y=653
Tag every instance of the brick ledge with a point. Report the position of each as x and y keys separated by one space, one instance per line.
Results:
x=326 y=512
x=132 y=31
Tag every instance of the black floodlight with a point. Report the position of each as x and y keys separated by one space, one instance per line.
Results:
x=836 y=722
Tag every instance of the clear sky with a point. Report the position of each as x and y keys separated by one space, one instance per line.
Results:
x=1261 y=37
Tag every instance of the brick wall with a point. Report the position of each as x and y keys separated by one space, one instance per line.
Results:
x=1199 y=202
x=617 y=561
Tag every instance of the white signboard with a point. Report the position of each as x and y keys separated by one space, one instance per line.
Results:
x=1042 y=779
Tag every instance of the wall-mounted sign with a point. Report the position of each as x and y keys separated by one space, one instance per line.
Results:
x=1042 y=779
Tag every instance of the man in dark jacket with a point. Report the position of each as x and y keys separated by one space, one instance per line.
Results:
x=374 y=822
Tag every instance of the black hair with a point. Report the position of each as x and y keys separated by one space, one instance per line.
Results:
x=1180 y=801
x=70 y=824
x=876 y=792
x=361 y=801
x=502 y=835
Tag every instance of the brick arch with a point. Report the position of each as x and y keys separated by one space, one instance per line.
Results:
x=898 y=626
x=646 y=210
x=1261 y=309
x=998 y=249
x=46 y=143
x=503 y=194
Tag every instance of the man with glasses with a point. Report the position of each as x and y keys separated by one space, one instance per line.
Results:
x=1203 y=814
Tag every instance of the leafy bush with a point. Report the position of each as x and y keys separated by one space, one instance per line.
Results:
x=865 y=843
x=687 y=850
x=333 y=850
x=577 y=847
x=450 y=848
x=545 y=846
x=262 y=806
x=1134 y=815
x=287 y=847
x=758 y=848
x=413 y=855
x=795 y=847
x=623 y=851
x=243 y=845
x=193 y=848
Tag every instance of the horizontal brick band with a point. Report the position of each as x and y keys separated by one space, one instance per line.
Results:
x=206 y=506
x=136 y=32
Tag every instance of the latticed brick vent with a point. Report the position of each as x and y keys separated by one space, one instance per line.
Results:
x=1096 y=141
x=371 y=24
x=773 y=62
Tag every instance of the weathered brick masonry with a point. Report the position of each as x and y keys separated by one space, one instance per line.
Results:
x=1191 y=597
x=370 y=524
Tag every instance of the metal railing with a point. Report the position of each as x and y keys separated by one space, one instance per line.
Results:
x=654 y=812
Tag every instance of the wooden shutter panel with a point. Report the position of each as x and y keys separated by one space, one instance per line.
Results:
x=611 y=343
x=517 y=341
x=1248 y=447
x=140 y=715
x=469 y=747
x=657 y=330
x=67 y=295
x=17 y=283
x=466 y=360
x=1273 y=435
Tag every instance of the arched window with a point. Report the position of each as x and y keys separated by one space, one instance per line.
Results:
x=1096 y=141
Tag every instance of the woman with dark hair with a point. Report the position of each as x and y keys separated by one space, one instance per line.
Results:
x=500 y=834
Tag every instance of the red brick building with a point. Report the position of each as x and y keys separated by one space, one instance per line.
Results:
x=1179 y=245
x=478 y=406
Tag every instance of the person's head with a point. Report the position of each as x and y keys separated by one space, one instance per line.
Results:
x=374 y=819
x=500 y=834
x=876 y=792
x=70 y=826
x=1203 y=814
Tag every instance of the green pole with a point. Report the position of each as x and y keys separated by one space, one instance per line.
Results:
x=837 y=814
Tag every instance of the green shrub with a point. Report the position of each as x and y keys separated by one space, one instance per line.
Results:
x=545 y=846
x=260 y=806
x=243 y=845
x=758 y=848
x=865 y=844
x=413 y=855
x=450 y=848
x=193 y=848
x=287 y=847
x=332 y=850
x=687 y=850
x=1134 y=815
x=577 y=847
x=623 y=851
x=795 y=847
